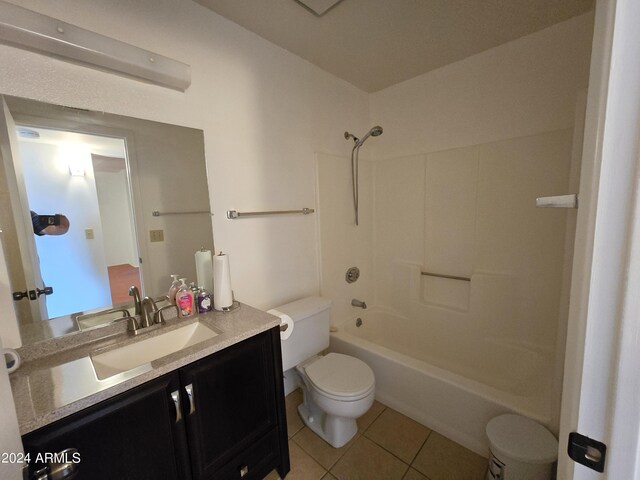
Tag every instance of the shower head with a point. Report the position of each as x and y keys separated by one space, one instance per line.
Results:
x=374 y=132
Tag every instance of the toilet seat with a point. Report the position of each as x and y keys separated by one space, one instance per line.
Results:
x=341 y=377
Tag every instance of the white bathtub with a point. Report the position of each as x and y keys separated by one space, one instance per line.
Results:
x=455 y=388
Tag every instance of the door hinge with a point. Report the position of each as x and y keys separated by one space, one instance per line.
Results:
x=587 y=451
x=30 y=294
x=44 y=291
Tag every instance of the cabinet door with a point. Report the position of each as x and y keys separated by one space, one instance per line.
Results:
x=135 y=435
x=233 y=412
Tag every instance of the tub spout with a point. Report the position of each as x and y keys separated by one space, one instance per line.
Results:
x=358 y=303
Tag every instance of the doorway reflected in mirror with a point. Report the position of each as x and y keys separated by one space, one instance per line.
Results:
x=84 y=177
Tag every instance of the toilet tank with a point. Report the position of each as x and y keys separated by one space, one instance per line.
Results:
x=310 y=333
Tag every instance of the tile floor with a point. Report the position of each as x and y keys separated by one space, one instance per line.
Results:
x=388 y=446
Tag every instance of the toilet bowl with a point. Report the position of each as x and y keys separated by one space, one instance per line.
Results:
x=337 y=388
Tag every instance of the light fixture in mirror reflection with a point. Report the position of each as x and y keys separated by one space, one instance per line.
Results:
x=104 y=174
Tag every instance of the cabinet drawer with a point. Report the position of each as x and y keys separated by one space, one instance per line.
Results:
x=255 y=462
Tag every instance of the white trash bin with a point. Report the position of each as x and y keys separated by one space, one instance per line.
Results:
x=521 y=449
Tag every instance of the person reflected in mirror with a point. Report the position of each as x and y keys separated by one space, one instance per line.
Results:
x=57 y=224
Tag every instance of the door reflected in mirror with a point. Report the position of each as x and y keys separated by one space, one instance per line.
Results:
x=83 y=179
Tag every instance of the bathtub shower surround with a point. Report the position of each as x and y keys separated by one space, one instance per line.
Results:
x=454 y=352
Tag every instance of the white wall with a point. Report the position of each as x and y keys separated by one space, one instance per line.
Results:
x=264 y=112
x=74 y=266
x=520 y=88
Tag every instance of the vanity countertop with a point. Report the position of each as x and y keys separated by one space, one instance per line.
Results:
x=57 y=377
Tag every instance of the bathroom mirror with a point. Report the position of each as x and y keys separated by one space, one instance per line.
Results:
x=134 y=193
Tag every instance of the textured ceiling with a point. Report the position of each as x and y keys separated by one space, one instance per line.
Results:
x=373 y=44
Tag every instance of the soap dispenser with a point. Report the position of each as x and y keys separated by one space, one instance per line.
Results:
x=204 y=301
x=173 y=289
x=184 y=300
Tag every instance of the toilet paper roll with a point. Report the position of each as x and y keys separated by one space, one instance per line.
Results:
x=204 y=269
x=11 y=359
x=286 y=323
x=222 y=294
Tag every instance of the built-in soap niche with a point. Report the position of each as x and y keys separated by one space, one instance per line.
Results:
x=446 y=292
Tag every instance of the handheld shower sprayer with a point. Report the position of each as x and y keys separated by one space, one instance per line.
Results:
x=374 y=132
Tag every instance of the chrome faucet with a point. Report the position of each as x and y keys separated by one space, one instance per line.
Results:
x=135 y=293
x=149 y=311
x=358 y=303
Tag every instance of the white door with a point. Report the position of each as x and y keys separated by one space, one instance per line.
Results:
x=601 y=391
x=15 y=215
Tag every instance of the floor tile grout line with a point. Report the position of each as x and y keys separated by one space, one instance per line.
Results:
x=421 y=447
x=393 y=454
x=363 y=435
x=410 y=467
x=389 y=451
x=313 y=459
x=375 y=418
x=353 y=440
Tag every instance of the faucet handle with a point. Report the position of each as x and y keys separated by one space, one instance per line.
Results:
x=134 y=326
x=159 y=314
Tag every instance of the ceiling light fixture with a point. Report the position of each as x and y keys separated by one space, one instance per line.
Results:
x=318 y=7
x=33 y=31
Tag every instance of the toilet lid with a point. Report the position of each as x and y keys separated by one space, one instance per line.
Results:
x=341 y=375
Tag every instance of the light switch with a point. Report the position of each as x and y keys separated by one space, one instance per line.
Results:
x=156 y=235
x=88 y=233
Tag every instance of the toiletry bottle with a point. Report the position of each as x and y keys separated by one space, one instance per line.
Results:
x=184 y=300
x=194 y=291
x=175 y=285
x=204 y=301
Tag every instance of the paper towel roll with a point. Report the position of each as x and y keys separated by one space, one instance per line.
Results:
x=12 y=359
x=204 y=269
x=222 y=294
x=285 y=332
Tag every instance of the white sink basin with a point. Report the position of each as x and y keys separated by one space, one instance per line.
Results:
x=125 y=358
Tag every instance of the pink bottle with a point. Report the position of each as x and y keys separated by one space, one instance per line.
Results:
x=184 y=300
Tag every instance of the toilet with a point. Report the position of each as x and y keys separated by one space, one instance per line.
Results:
x=337 y=388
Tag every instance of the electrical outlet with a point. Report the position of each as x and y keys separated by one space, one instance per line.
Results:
x=156 y=235
x=88 y=233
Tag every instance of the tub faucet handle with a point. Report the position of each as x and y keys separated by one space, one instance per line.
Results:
x=358 y=303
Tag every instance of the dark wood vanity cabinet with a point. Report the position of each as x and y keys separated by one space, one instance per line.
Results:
x=231 y=423
x=133 y=435
x=239 y=383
